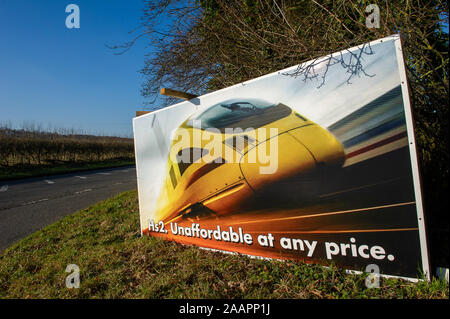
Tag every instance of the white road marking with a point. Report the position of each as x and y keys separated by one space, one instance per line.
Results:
x=35 y=201
x=49 y=181
x=84 y=191
x=82 y=177
x=104 y=173
x=4 y=188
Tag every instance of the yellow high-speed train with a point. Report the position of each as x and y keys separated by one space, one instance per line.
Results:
x=199 y=183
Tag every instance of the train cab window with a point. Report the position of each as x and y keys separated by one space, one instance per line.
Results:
x=240 y=113
x=187 y=156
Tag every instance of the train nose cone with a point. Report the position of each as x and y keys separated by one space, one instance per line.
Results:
x=324 y=147
x=293 y=161
x=274 y=160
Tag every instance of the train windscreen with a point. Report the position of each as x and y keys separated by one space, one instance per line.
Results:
x=245 y=114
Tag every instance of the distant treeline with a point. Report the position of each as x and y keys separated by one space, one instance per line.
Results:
x=36 y=147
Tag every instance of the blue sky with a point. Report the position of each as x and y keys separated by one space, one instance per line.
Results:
x=68 y=78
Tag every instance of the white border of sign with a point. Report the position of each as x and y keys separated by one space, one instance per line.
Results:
x=411 y=138
x=413 y=153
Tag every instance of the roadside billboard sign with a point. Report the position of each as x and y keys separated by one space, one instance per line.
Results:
x=316 y=162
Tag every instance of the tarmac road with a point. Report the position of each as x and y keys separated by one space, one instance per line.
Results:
x=30 y=204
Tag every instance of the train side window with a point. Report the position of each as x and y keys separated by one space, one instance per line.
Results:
x=240 y=142
x=187 y=156
x=172 y=177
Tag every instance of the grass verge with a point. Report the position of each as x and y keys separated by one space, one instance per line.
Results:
x=115 y=262
x=24 y=171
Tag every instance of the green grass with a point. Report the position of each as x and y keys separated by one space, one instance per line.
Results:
x=24 y=171
x=115 y=262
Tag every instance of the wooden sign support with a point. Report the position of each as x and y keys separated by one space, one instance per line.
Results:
x=173 y=93
x=178 y=94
